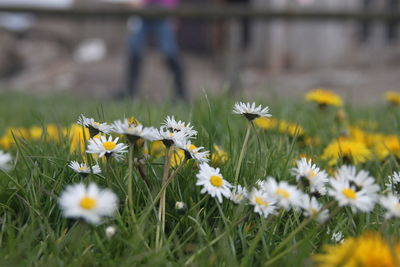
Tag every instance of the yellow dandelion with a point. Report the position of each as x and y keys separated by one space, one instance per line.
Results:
x=324 y=97
x=393 y=98
x=177 y=158
x=266 y=123
x=347 y=149
x=6 y=141
x=53 y=132
x=157 y=149
x=36 y=132
x=292 y=129
x=368 y=250
x=389 y=145
x=78 y=136
x=219 y=157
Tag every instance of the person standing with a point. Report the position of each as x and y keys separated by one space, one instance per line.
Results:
x=163 y=29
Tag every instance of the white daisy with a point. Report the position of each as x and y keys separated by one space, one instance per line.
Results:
x=87 y=202
x=5 y=161
x=394 y=183
x=310 y=175
x=250 y=111
x=193 y=152
x=134 y=131
x=170 y=137
x=179 y=126
x=263 y=203
x=287 y=196
x=347 y=195
x=312 y=207
x=83 y=168
x=109 y=148
x=213 y=183
x=93 y=126
x=361 y=180
x=238 y=194
x=391 y=203
x=337 y=237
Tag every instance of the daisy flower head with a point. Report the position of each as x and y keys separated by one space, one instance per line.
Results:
x=312 y=207
x=87 y=202
x=213 y=183
x=391 y=203
x=347 y=195
x=287 y=196
x=5 y=161
x=133 y=131
x=108 y=147
x=170 y=137
x=83 y=168
x=393 y=98
x=192 y=152
x=394 y=183
x=94 y=127
x=360 y=180
x=250 y=111
x=324 y=98
x=238 y=194
x=310 y=175
x=179 y=126
x=263 y=203
x=337 y=237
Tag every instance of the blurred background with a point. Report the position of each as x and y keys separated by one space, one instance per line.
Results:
x=81 y=47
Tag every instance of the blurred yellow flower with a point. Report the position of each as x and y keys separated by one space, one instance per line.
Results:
x=347 y=149
x=368 y=250
x=324 y=97
x=36 y=132
x=177 y=158
x=157 y=149
x=6 y=141
x=389 y=145
x=53 y=132
x=219 y=156
x=266 y=123
x=78 y=136
x=393 y=98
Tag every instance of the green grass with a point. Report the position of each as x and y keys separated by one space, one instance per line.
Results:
x=33 y=232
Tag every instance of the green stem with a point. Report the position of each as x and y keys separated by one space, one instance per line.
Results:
x=108 y=170
x=161 y=208
x=130 y=184
x=246 y=140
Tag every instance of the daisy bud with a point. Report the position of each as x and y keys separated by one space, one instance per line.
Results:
x=110 y=231
x=181 y=207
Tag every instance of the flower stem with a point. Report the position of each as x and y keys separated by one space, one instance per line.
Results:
x=161 y=208
x=246 y=140
x=130 y=183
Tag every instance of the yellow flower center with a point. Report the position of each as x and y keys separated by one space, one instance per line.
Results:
x=96 y=123
x=261 y=201
x=282 y=192
x=88 y=203
x=191 y=147
x=82 y=168
x=311 y=174
x=314 y=212
x=216 y=181
x=109 y=145
x=349 y=193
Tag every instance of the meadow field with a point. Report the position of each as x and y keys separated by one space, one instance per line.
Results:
x=170 y=196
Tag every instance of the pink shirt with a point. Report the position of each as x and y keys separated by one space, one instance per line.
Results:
x=164 y=3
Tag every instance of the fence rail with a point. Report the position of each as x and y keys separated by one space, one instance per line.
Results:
x=218 y=12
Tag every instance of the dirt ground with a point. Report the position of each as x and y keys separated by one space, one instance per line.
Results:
x=103 y=79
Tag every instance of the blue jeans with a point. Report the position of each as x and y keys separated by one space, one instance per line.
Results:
x=163 y=29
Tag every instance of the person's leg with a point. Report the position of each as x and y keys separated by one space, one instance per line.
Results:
x=136 y=49
x=167 y=40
